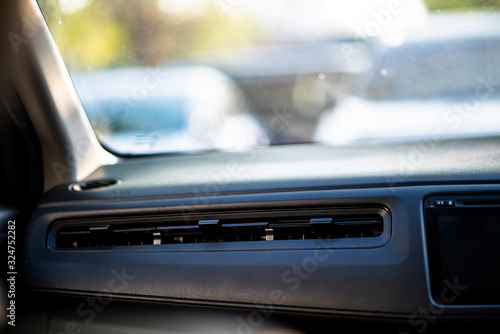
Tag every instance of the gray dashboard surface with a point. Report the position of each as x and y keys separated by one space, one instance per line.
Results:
x=388 y=281
x=297 y=167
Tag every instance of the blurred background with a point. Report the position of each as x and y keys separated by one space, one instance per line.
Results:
x=159 y=76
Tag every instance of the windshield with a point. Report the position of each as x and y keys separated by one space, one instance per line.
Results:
x=436 y=69
x=163 y=76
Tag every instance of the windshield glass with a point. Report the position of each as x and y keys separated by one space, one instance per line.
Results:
x=436 y=69
x=162 y=76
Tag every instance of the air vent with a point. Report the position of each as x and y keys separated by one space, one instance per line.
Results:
x=94 y=184
x=370 y=225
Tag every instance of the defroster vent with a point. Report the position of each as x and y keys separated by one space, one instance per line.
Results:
x=93 y=184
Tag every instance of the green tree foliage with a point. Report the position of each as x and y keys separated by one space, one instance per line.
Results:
x=111 y=33
x=87 y=38
x=462 y=4
x=93 y=34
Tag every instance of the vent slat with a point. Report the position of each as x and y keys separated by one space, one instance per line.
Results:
x=356 y=222
x=256 y=224
x=82 y=235
x=320 y=221
x=133 y=229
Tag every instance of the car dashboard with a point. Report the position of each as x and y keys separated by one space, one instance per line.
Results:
x=402 y=236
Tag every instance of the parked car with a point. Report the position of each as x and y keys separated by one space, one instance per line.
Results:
x=437 y=84
x=168 y=109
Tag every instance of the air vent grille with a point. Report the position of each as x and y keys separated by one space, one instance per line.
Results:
x=222 y=228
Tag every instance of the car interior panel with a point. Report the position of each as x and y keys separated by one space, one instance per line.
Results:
x=277 y=188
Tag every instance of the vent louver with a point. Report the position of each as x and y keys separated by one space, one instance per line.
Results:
x=222 y=228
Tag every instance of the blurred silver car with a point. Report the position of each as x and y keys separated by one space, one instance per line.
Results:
x=168 y=109
x=439 y=84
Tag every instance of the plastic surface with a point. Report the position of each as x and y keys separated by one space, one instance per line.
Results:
x=389 y=282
